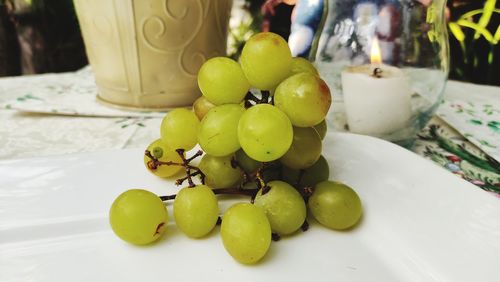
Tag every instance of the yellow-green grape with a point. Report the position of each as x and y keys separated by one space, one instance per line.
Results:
x=163 y=153
x=201 y=106
x=305 y=149
x=318 y=172
x=248 y=164
x=302 y=65
x=222 y=81
x=272 y=171
x=179 y=129
x=218 y=135
x=284 y=207
x=321 y=128
x=335 y=205
x=196 y=210
x=305 y=99
x=246 y=233
x=218 y=171
x=265 y=133
x=138 y=217
x=266 y=60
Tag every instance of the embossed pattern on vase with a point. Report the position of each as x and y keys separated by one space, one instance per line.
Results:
x=147 y=53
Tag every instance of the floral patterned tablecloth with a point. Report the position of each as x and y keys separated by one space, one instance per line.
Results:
x=52 y=114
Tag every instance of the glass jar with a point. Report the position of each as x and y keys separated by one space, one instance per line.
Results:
x=386 y=62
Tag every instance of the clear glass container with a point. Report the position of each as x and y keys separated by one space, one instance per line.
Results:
x=386 y=62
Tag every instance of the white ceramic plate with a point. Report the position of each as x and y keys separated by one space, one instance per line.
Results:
x=421 y=223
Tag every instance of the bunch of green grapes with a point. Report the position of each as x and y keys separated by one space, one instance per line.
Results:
x=260 y=123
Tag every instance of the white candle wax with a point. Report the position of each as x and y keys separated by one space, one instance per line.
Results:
x=376 y=105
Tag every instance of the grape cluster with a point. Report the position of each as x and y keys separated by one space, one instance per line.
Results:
x=260 y=124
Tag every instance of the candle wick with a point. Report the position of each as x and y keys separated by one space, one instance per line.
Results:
x=377 y=72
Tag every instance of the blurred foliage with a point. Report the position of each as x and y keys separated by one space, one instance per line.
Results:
x=246 y=20
x=474 y=39
x=48 y=34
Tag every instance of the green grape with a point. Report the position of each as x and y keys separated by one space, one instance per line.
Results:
x=305 y=99
x=163 y=153
x=218 y=171
x=302 y=65
x=321 y=129
x=272 y=171
x=138 y=217
x=318 y=172
x=284 y=207
x=335 y=205
x=196 y=210
x=218 y=135
x=248 y=164
x=265 y=133
x=179 y=129
x=246 y=233
x=222 y=81
x=266 y=60
x=201 y=107
x=305 y=149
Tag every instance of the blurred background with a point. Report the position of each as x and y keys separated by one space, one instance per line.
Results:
x=40 y=36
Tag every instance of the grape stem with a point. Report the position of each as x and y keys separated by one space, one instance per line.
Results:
x=188 y=167
x=222 y=191
x=246 y=176
x=154 y=163
x=181 y=180
x=275 y=237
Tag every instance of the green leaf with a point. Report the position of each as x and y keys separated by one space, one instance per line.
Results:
x=483 y=31
x=485 y=143
x=488 y=9
x=472 y=13
x=496 y=37
x=456 y=30
x=494 y=125
x=475 y=121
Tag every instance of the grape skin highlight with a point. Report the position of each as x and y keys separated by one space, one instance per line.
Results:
x=246 y=233
x=266 y=60
x=265 y=133
x=138 y=217
x=305 y=99
x=179 y=129
x=218 y=134
x=284 y=207
x=221 y=80
x=335 y=205
x=196 y=210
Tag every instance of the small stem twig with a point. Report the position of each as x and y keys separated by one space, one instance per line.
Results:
x=246 y=176
x=154 y=163
x=265 y=97
x=305 y=226
x=275 y=237
x=222 y=191
x=181 y=180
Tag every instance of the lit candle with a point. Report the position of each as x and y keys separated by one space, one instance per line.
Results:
x=376 y=96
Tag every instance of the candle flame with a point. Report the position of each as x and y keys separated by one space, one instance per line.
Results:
x=375 y=56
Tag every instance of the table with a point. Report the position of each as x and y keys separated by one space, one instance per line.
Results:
x=53 y=114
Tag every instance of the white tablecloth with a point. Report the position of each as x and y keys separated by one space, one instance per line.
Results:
x=58 y=114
